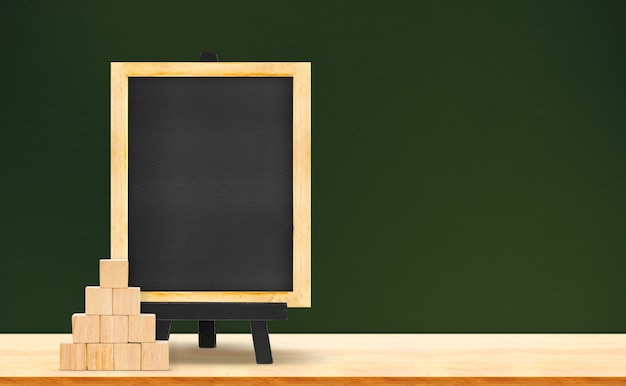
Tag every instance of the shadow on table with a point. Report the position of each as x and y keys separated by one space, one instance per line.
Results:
x=237 y=353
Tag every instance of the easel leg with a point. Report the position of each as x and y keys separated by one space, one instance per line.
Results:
x=206 y=333
x=163 y=329
x=261 y=340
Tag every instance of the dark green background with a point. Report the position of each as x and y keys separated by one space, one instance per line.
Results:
x=468 y=156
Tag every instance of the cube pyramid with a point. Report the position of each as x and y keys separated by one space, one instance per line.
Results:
x=112 y=333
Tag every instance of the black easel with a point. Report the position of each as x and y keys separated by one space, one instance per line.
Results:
x=206 y=56
x=208 y=313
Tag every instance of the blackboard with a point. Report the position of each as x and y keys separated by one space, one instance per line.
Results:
x=215 y=160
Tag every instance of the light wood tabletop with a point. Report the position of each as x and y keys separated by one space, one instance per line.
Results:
x=454 y=359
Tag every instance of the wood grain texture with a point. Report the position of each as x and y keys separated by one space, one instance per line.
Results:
x=142 y=328
x=301 y=73
x=113 y=273
x=307 y=381
x=215 y=296
x=301 y=297
x=99 y=356
x=127 y=356
x=85 y=328
x=98 y=301
x=210 y=69
x=119 y=162
x=73 y=356
x=114 y=329
x=126 y=301
x=459 y=359
x=155 y=355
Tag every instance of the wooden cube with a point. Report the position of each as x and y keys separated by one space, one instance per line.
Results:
x=126 y=301
x=127 y=356
x=98 y=301
x=99 y=356
x=73 y=356
x=113 y=273
x=142 y=328
x=85 y=328
x=114 y=329
x=155 y=356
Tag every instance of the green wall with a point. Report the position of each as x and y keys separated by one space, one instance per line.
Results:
x=469 y=157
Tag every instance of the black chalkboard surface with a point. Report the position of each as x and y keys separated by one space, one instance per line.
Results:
x=210 y=183
x=210 y=180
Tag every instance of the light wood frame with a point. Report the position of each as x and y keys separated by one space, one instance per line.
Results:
x=301 y=74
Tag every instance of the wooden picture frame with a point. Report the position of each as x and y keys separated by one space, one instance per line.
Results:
x=301 y=74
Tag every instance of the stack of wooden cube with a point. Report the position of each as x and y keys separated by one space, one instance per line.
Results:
x=112 y=334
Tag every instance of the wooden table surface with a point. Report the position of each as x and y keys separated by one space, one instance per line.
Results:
x=302 y=359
